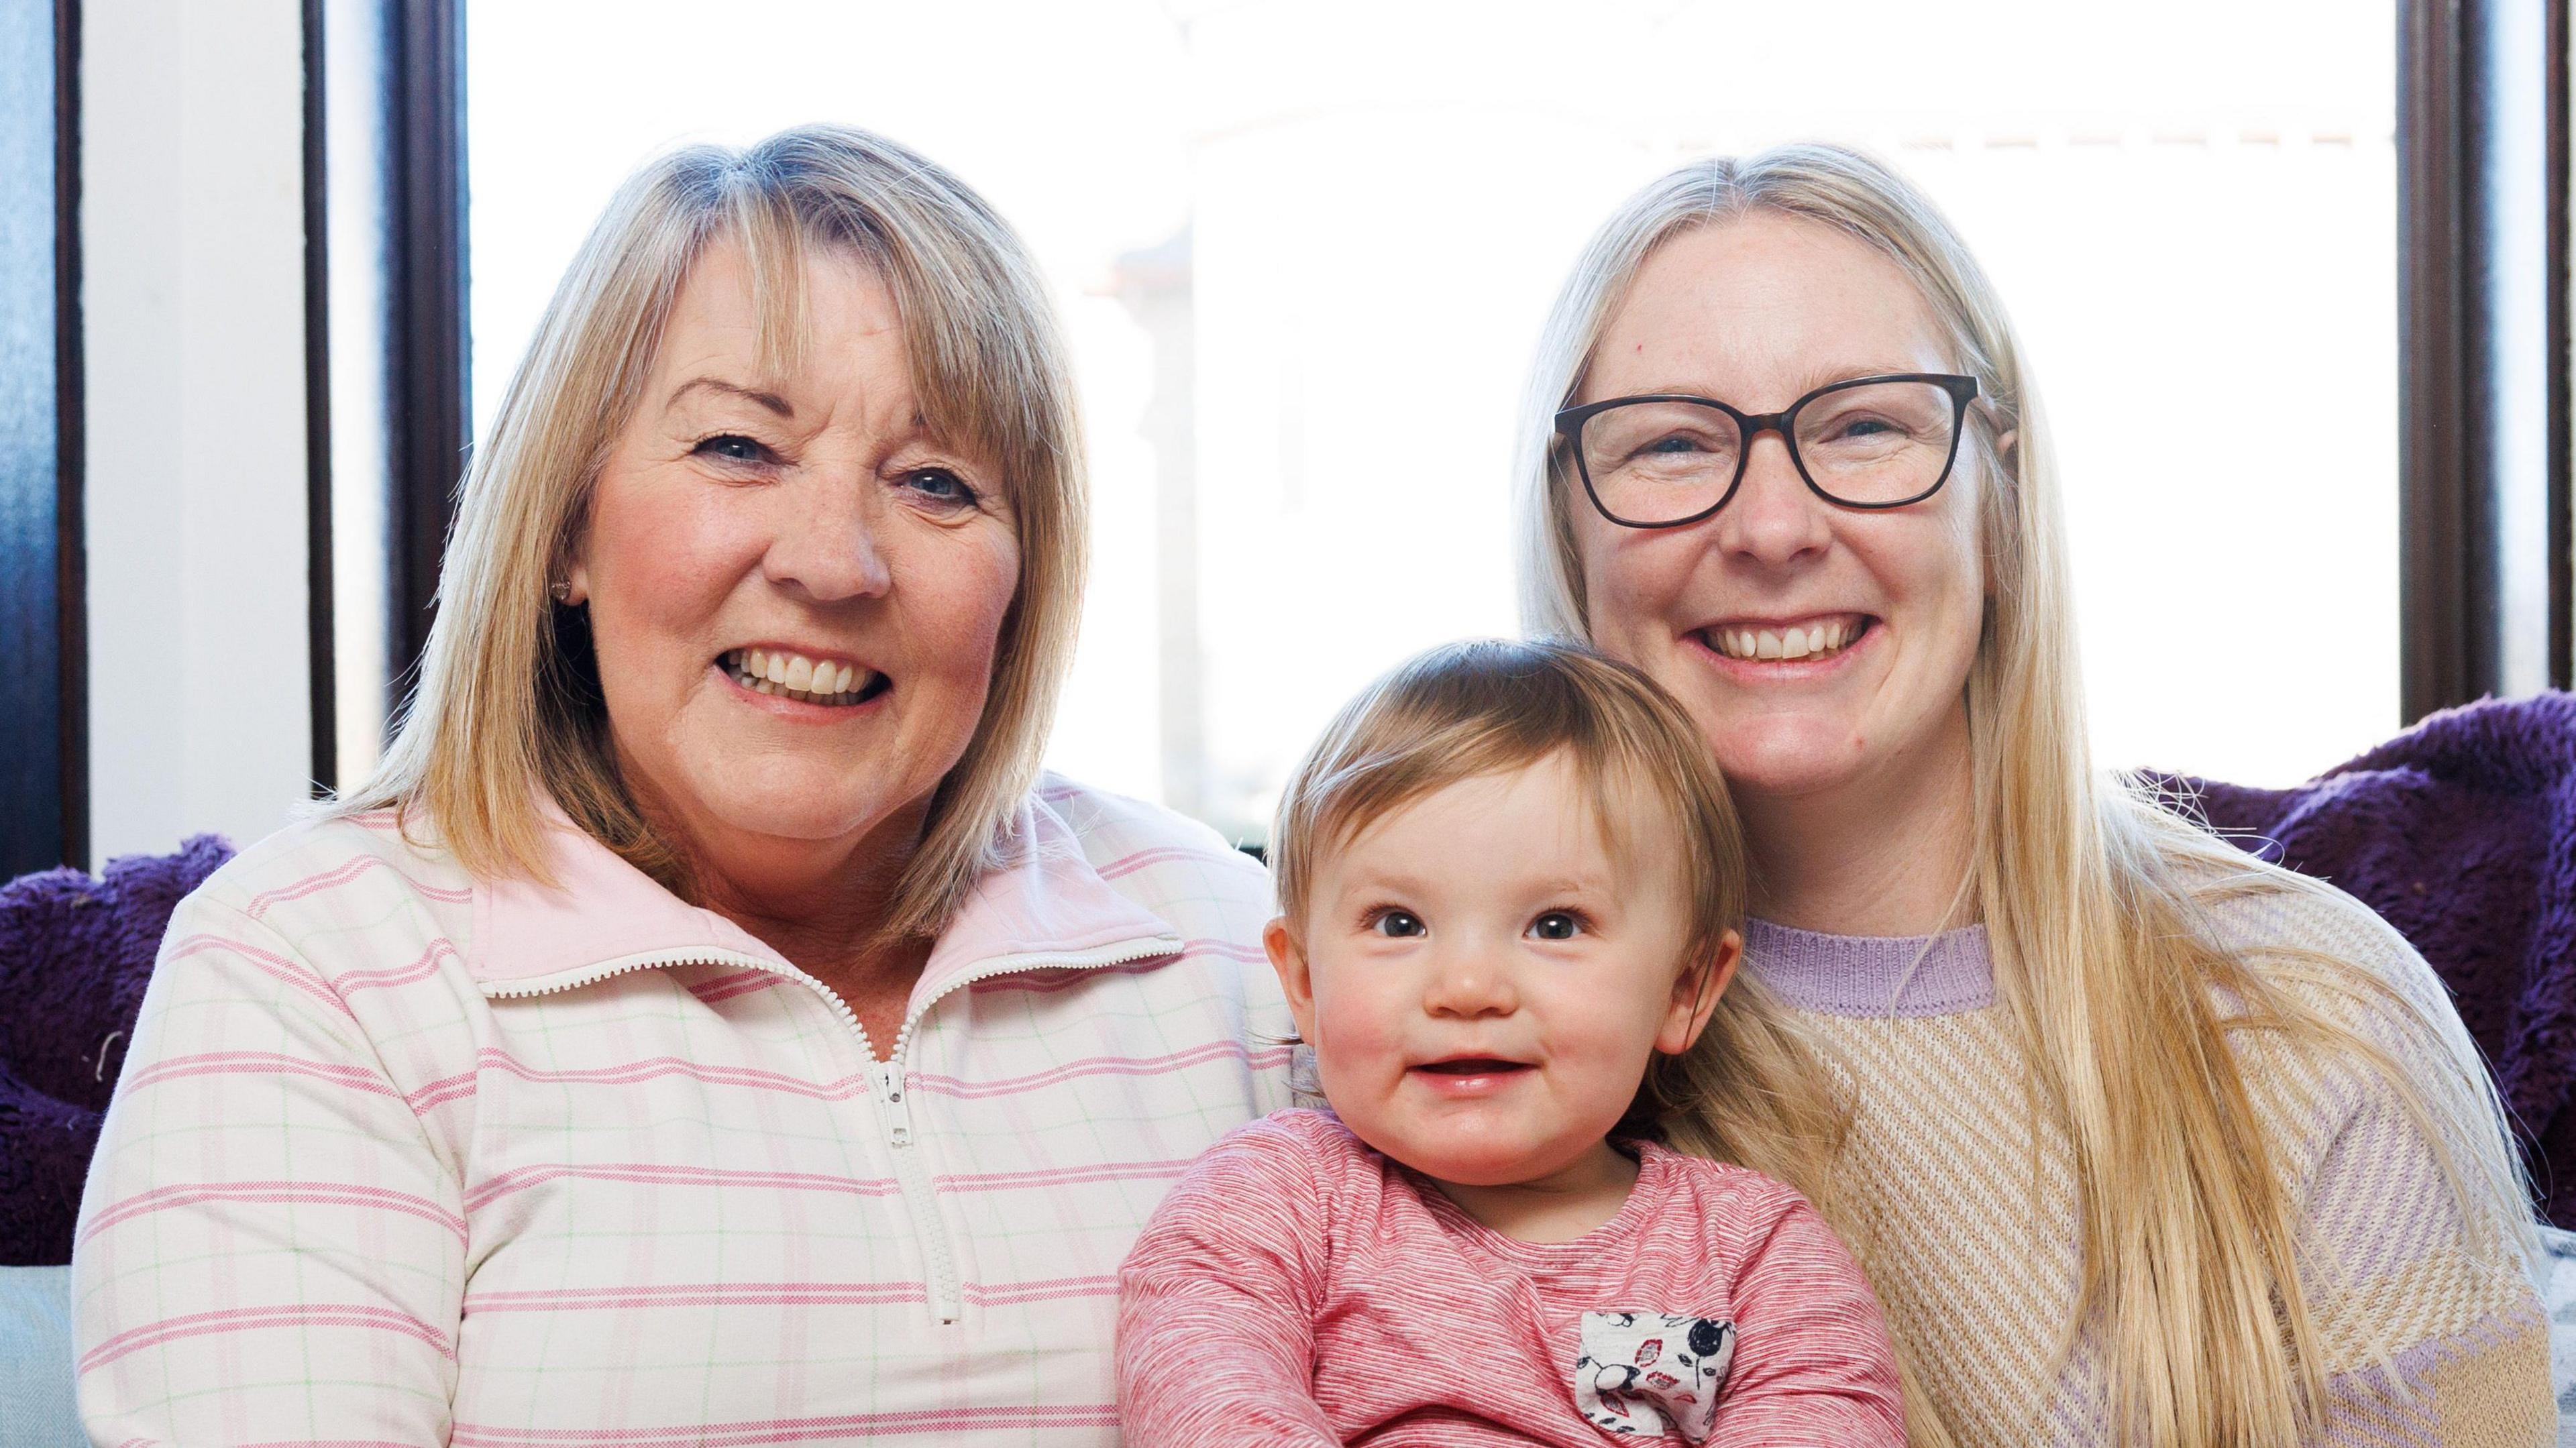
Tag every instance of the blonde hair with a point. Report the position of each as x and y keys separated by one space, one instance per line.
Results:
x=2095 y=900
x=507 y=712
x=1753 y=1090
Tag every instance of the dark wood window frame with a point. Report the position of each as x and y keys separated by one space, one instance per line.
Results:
x=416 y=129
x=431 y=423
x=44 y=699
x=320 y=639
x=2454 y=618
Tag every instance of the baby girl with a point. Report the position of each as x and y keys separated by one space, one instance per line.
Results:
x=1509 y=879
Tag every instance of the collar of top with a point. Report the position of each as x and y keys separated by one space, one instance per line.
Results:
x=1873 y=975
x=1039 y=905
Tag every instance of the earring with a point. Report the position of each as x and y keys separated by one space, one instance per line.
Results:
x=562 y=590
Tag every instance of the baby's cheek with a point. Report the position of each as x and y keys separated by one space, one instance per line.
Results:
x=1358 y=1041
x=1603 y=1055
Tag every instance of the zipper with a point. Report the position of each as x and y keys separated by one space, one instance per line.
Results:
x=1123 y=953
x=938 y=1263
x=946 y=1292
x=889 y=1094
x=628 y=965
x=886 y=1097
x=898 y=1115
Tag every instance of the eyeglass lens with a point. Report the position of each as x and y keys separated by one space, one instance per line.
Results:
x=1875 y=444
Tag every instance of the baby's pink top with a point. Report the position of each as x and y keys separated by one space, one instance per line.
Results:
x=1299 y=1288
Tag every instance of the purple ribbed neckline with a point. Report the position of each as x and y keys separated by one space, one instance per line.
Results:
x=1873 y=975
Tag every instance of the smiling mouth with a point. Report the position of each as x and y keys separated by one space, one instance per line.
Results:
x=1474 y=1066
x=1807 y=640
x=807 y=681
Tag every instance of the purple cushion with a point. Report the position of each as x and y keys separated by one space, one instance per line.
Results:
x=75 y=954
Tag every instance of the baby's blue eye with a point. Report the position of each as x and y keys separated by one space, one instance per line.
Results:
x=1398 y=923
x=1556 y=925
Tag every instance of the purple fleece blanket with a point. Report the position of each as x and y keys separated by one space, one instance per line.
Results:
x=2460 y=832
x=74 y=956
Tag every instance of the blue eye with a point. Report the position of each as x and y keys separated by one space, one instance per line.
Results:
x=732 y=447
x=940 y=485
x=1556 y=925
x=1400 y=924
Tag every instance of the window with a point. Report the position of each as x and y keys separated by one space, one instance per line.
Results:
x=1258 y=217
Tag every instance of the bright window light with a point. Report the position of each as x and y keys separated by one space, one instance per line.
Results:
x=1260 y=216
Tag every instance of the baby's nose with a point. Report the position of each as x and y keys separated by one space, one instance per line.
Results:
x=1468 y=984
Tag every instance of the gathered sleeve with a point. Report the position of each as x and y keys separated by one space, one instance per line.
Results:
x=271 y=1246
x=1216 y=1304
x=2429 y=1324
x=2435 y=1331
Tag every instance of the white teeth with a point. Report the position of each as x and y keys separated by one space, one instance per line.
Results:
x=797 y=677
x=1804 y=641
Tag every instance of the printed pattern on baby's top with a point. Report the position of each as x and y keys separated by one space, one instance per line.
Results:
x=1645 y=1374
x=1297 y=1286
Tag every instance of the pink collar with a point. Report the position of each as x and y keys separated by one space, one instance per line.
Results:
x=1040 y=905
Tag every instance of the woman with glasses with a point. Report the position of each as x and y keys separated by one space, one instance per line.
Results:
x=2146 y=1142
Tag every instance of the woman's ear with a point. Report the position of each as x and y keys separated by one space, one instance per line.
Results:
x=1695 y=995
x=574 y=575
x=1296 y=981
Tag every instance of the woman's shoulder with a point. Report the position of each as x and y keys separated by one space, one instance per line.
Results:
x=313 y=870
x=1159 y=857
x=342 y=928
x=1115 y=827
x=2318 y=942
x=2265 y=906
x=2333 y=955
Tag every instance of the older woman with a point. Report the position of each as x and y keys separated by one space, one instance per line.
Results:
x=706 y=1027
x=2147 y=1143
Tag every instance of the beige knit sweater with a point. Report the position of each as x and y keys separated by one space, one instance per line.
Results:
x=1981 y=1292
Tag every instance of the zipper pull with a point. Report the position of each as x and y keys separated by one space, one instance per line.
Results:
x=898 y=1115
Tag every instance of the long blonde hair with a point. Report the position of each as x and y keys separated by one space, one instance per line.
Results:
x=507 y=712
x=1462 y=711
x=2095 y=899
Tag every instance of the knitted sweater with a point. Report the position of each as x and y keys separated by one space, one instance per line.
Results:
x=1980 y=1293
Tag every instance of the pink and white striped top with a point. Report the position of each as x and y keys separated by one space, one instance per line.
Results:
x=1298 y=1288
x=406 y=1157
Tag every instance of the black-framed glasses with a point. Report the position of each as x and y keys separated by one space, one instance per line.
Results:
x=1667 y=460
